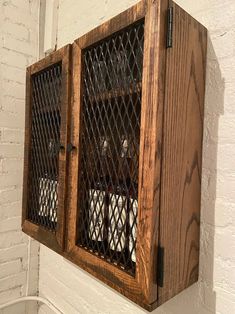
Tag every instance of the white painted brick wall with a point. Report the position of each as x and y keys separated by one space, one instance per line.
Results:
x=74 y=291
x=18 y=48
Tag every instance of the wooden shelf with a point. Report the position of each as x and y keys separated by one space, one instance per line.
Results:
x=115 y=93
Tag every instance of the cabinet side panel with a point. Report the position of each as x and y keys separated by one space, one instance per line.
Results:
x=153 y=84
x=182 y=154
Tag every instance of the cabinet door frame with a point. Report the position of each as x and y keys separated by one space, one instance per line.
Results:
x=142 y=288
x=54 y=240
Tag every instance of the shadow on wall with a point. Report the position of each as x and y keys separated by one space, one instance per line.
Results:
x=200 y=298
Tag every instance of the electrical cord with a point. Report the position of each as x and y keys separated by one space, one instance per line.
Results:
x=32 y=298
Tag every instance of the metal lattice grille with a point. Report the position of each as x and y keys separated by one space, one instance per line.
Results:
x=109 y=151
x=45 y=146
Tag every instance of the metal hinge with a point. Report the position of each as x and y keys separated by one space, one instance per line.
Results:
x=160 y=266
x=169 y=27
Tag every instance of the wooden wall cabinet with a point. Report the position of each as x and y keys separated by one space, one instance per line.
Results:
x=113 y=150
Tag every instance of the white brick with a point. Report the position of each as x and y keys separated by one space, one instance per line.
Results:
x=1 y=162
x=224 y=275
x=225 y=302
x=9 y=120
x=223 y=43
x=12 y=253
x=18 y=49
x=15 y=136
x=9 y=180
x=10 y=224
x=17 y=31
x=224 y=158
x=8 y=196
x=10 y=294
x=11 y=150
x=13 y=105
x=9 y=86
x=10 y=268
x=14 y=58
x=12 y=165
x=14 y=74
x=16 y=308
x=226 y=132
x=218 y=156
x=20 y=16
x=21 y=46
x=43 y=309
x=225 y=187
x=12 y=239
x=21 y=4
x=224 y=248
x=10 y=210
x=216 y=24
x=12 y=281
x=200 y=6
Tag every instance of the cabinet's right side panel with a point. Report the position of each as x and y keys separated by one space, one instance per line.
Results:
x=182 y=154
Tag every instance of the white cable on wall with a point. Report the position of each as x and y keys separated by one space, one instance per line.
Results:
x=50 y=41
x=38 y=299
x=51 y=21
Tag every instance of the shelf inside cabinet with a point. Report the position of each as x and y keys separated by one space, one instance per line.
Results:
x=115 y=93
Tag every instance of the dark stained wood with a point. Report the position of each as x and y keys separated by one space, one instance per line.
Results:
x=42 y=235
x=150 y=147
x=53 y=240
x=51 y=59
x=74 y=156
x=182 y=154
x=64 y=139
x=117 y=92
x=115 y=24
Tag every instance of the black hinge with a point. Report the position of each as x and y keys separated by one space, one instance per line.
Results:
x=160 y=266
x=169 y=27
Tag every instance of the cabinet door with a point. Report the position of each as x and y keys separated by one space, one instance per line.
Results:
x=47 y=100
x=114 y=166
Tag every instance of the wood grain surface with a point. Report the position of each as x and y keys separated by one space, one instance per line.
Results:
x=153 y=86
x=115 y=24
x=182 y=154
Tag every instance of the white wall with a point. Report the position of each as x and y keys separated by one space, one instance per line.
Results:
x=18 y=48
x=74 y=291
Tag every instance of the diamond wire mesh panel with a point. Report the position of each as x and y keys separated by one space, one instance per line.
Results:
x=45 y=146
x=109 y=151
